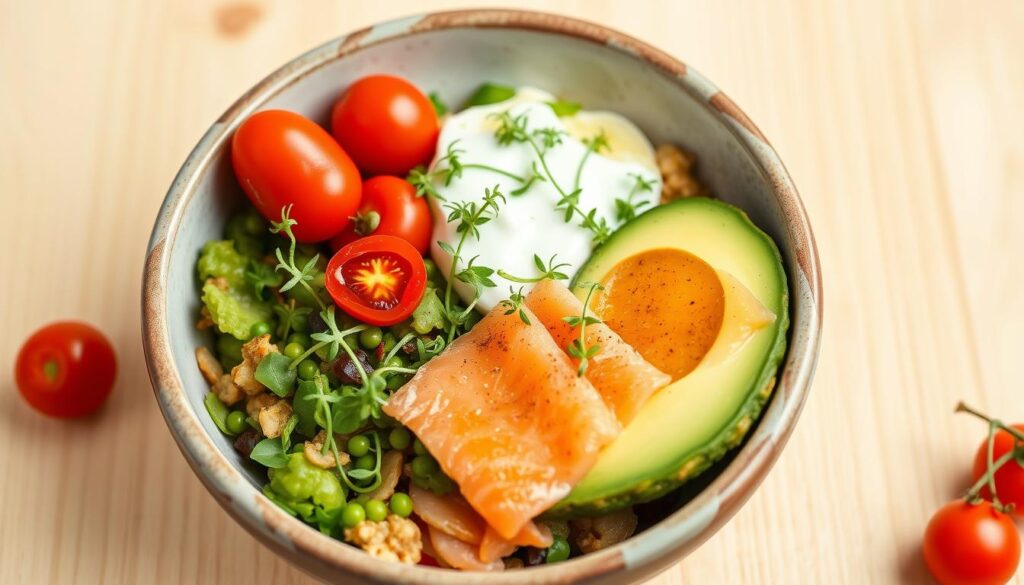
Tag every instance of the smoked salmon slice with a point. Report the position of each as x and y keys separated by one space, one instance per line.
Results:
x=505 y=415
x=621 y=375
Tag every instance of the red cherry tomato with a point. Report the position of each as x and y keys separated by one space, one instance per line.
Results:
x=282 y=158
x=1010 y=477
x=390 y=208
x=66 y=369
x=377 y=279
x=967 y=544
x=386 y=125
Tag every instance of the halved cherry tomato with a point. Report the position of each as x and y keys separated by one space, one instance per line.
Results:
x=282 y=158
x=390 y=208
x=1010 y=477
x=386 y=125
x=377 y=279
x=66 y=369
x=971 y=544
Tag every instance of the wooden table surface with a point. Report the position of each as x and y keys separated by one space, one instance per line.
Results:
x=899 y=121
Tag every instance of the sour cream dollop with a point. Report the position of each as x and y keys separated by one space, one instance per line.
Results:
x=530 y=224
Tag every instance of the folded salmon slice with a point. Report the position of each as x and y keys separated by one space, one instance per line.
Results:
x=507 y=418
x=621 y=375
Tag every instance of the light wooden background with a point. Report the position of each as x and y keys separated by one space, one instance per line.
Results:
x=901 y=125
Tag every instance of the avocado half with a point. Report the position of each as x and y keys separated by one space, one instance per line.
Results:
x=693 y=422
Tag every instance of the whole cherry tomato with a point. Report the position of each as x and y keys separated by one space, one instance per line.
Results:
x=66 y=369
x=1010 y=477
x=379 y=280
x=391 y=208
x=282 y=158
x=386 y=125
x=971 y=544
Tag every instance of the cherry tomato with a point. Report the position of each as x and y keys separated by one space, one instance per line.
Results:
x=282 y=158
x=386 y=125
x=967 y=544
x=1010 y=477
x=390 y=208
x=377 y=279
x=66 y=369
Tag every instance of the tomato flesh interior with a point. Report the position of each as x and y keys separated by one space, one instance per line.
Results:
x=378 y=279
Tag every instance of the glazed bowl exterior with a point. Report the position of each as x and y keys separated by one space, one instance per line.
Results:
x=451 y=53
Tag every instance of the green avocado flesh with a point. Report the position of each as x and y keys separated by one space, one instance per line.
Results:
x=696 y=420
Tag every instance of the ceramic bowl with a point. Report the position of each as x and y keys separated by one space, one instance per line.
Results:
x=451 y=53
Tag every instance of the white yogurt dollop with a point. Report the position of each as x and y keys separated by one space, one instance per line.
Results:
x=529 y=224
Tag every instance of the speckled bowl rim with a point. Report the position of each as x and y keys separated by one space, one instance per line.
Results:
x=641 y=556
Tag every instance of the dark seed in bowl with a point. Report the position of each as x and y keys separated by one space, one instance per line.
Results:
x=345 y=369
x=245 y=442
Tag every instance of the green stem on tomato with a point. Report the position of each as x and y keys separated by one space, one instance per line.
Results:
x=973 y=493
x=961 y=407
x=992 y=428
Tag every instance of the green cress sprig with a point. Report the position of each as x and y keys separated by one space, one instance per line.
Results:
x=450 y=167
x=547 y=271
x=626 y=209
x=470 y=215
x=579 y=348
x=512 y=129
x=514 y=303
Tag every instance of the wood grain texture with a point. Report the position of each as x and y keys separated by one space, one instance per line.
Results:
x=900 y=123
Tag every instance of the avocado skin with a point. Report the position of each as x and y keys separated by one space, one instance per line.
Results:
x=729 y=438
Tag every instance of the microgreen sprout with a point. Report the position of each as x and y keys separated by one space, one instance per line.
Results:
x=469 y=215
x=626 y=209
x=514 y=304
x=549 y=271
x=579 y=348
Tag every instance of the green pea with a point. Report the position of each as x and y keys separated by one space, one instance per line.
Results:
x=293 y=351
x=400 y=437
x=236 y=422
x=229 y=347
x=300 y=338
x=423 y=466
x=558 y=551
x=260 y=328
x=308 y=369
x=396 y=381
x=376 y=510
x=419 y=448
x=358 y=445
x=353 y=514
x=366 y=462
x=389 y=341
x=430 y=267
x=254 y=225
x=385 y=422
x=395 y=362
x=402 y=329
x=370 y=338
x=401 y=504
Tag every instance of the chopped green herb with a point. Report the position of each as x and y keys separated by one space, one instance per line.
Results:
x=440 y=108
x=218 y=411
x=270 y=453
x=490 y=93
x=563 y=108
x=275 y=372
